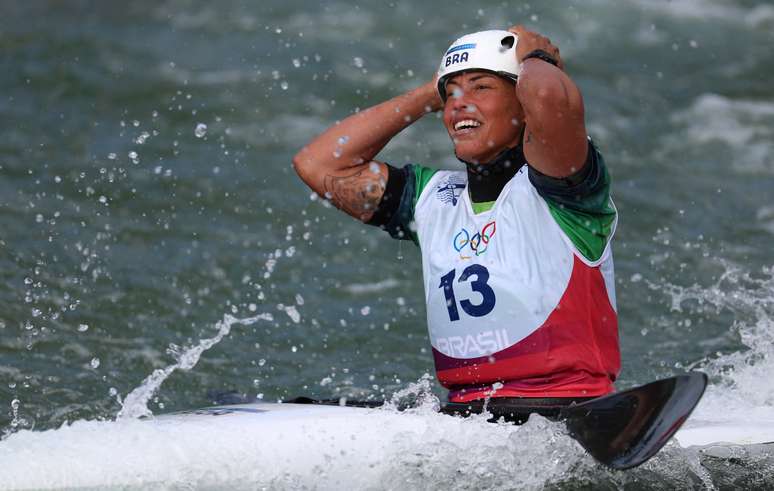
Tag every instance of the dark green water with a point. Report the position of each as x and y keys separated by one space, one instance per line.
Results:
x=124 y=232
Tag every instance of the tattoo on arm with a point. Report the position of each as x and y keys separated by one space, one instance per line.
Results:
x=357 y=194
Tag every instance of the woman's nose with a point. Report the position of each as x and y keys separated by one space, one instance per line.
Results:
x=457 y=97
x=459 y=102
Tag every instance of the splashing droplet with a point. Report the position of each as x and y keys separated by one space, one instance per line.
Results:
x=135 y=404
x=201 y=130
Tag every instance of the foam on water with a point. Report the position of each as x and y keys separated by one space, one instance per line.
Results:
x=744 y=125
x=741 y=392
x=384 y=448
x=370 y=288
x=340 y=448
x=754 y=17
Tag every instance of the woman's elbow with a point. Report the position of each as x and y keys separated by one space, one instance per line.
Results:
x=302 y=164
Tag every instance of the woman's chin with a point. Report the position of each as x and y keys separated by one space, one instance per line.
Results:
x=465 y=151
x=472 y=157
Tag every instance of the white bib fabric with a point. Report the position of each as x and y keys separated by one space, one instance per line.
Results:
x=491 y=279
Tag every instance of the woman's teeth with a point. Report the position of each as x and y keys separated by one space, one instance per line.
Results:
x=466 y=124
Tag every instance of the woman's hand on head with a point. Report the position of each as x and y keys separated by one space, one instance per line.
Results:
x=555 y=140
x=436 y=103
x=529 y=41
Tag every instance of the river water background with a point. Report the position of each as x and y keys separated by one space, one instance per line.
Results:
x=146 y=192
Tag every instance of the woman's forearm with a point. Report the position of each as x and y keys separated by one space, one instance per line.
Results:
x=555 y=142
x=358 y=139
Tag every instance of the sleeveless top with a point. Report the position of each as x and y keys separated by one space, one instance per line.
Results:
x=514 y=308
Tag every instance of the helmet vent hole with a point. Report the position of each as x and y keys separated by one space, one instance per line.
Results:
x=507 y=42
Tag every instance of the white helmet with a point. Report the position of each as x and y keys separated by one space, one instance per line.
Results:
x=491 y=51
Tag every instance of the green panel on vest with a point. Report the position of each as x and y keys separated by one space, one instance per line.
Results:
x=588 y=231
x=422 y=176
x=482 y=207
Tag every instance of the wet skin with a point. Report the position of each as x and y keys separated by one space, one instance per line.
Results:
x=490 y=101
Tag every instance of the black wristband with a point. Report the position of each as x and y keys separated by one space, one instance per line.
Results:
x=541 y=55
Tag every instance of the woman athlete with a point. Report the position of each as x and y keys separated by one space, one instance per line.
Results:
x=516 y=259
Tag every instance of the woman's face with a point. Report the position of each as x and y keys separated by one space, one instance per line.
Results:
x=483 y=115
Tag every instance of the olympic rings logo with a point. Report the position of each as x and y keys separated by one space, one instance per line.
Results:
x=478 y=243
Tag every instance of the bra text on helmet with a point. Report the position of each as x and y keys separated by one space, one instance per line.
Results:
x=457 y=58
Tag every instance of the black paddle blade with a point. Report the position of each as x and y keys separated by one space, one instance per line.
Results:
x=625 y=429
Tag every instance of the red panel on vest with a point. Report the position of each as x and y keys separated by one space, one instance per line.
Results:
x=575 y=353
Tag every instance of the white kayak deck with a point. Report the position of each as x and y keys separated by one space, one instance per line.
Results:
x=695 y=432
x=703 y=433
x=301 y=445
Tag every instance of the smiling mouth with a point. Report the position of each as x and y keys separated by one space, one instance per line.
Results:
x=466 y=126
